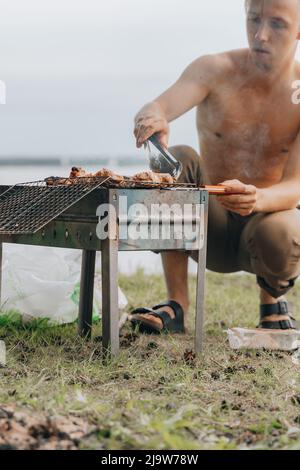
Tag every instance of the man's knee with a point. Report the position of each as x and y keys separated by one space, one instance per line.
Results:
x=191 y=164
x=276 y=245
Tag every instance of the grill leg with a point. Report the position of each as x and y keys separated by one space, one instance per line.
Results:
x=110 y=310
x=109 y=264
x=86 y=293
x=201 y=287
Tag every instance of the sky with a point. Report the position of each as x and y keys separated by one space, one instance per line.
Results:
x=77 y=71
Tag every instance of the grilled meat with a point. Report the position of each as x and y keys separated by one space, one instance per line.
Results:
x=166 y=178
x=55 y=181
x=151 y=177
x=105 y=173
x=147 y=176
x=79 y=173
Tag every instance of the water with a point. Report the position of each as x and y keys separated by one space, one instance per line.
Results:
x=17 y=174
x=128 y=262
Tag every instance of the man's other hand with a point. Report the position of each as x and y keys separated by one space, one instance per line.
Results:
x=243 y=201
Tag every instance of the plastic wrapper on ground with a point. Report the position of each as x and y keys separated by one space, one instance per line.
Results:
x=280 y=340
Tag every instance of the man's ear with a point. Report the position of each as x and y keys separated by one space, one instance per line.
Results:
x=298 y=36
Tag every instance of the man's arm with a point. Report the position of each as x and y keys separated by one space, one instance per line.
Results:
x=189 y=91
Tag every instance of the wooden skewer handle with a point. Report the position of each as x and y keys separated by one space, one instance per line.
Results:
x=218 y=190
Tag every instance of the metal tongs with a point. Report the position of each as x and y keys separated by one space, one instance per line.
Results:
x=164 y=162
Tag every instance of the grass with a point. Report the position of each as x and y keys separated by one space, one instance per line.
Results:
x=151 y=396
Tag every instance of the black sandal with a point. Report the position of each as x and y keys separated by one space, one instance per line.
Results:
x=281 y=308
x=170 y=325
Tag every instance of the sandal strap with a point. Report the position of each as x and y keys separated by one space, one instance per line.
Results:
x=164 y=317
x=171 y=303
x=279 y=325
x=175 y=306
x=281 y=308
x=170 y=324
x=143 y=311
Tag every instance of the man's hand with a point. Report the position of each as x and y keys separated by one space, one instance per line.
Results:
x=243 y=202
x=150 y=120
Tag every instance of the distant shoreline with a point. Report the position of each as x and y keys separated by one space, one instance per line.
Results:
x=69 y=161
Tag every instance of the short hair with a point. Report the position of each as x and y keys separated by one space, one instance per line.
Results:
x=247 y=4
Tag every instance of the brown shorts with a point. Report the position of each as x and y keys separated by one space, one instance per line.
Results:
x=267 y=245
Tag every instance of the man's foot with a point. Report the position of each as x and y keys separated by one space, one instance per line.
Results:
x=277 y=316
x=167 y=317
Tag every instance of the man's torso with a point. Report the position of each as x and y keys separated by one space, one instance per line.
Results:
x=246 y=132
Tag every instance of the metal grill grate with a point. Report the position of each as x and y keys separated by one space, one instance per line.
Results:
x=132 y=184
x=109 y=182
x=27 y=207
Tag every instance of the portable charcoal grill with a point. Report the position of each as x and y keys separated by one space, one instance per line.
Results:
x=57 y=213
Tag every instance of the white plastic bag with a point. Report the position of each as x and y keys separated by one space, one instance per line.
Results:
x=44 y=282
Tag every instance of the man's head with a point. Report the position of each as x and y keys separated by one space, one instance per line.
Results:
x=273 y=28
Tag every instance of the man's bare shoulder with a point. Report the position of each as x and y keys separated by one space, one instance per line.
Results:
x=213 y=66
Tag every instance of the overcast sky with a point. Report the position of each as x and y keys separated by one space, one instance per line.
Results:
x=77 y=71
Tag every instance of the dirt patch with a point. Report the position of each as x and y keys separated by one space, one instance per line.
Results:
x=23 y=431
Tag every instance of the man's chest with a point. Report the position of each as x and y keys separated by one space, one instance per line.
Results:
x=246 y=120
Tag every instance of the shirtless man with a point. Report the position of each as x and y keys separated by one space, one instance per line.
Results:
x=249 y=134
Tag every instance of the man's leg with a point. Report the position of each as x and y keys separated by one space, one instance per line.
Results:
x=267 y=299
x=175 y=263
x=270 y=248
x=223 y=239
x=176 y=276
x=175 y=266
